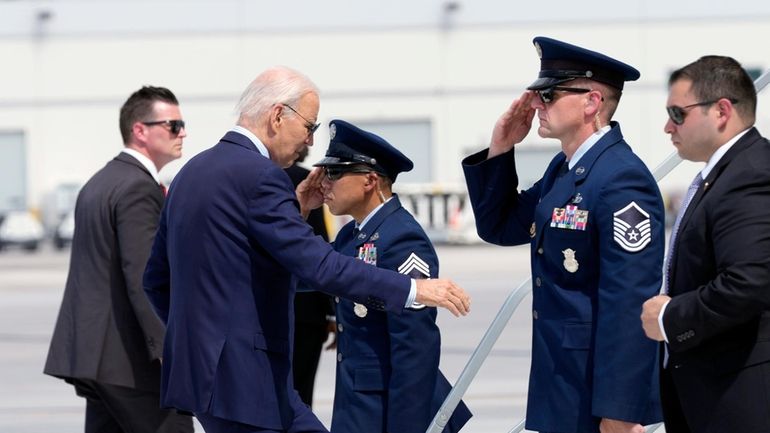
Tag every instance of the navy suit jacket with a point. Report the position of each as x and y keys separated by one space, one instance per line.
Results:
x=718 y=320
x=590 y=357
x=386 y=363
x=221 y=275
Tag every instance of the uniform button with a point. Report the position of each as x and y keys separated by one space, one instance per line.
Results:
x=339 y=327
x=339 y=357
x=540 y=250
x=534 y=314
x=337 y=299
x=538 y=283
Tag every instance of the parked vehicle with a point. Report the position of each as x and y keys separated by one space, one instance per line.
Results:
x=62 y=236
x=20 y=229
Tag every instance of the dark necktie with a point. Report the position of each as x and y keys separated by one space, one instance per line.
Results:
x=564 y=169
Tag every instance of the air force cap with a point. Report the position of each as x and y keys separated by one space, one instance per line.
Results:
x=350 y=145
x=561 y=62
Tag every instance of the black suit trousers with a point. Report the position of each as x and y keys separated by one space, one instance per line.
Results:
x=308 y=343
x=117 y=409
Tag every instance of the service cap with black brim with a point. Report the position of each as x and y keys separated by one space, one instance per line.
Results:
x=561 y=62
x=351 y=146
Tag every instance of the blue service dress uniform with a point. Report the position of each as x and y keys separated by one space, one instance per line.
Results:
x=387 y=364
x=597 y=237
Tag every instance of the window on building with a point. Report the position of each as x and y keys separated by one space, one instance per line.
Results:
x=13 y=171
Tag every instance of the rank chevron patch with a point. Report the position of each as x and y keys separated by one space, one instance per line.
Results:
x=414 y=264
x=631 y=227
x=416 y=268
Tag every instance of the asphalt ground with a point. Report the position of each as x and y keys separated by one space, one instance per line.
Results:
x=31 y=286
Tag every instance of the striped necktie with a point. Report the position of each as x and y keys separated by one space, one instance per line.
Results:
x=675 y=230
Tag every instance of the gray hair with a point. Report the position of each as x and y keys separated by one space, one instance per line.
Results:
x=276 y=85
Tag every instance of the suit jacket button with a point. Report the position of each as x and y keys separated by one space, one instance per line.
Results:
x=337 y=299
x=534 y=314
x=538 y=283
x=540 y=250
x=339 y=357
x=339 y=327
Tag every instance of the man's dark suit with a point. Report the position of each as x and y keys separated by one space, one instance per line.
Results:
x=311 y=309
x=107 y=332
x=229 y=242
x=718 y=320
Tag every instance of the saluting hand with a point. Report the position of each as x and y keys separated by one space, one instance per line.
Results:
x=309 y=193
x=513 y=125
x=443 y=293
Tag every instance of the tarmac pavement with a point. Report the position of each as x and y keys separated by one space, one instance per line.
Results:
x=31 y=286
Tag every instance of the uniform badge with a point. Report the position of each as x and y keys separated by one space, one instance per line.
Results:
x=375 y=236
x=580 y=170
x=631 y=227
x=557 y=217
x=332 y=131
x=415 y=267
x=577 y=199
x=570 y=263
x=581 y=219
x=532 y=230
x=368 y=254
x=360 y=310
x=569 y=217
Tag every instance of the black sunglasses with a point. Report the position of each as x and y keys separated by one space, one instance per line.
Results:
x=335 y=173
x=175 y=126
x=311 y=127
x=548 y=95
x=677 y=114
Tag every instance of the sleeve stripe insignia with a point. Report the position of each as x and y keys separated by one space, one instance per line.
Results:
x=412 y=263
x=631 y=228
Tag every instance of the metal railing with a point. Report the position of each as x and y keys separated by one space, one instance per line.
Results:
x=509 y=306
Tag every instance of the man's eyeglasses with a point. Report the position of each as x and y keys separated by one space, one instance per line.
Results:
x=175 y=126
x=677 y=114
x=549 y=94
x=311 y=127
x=333 y=173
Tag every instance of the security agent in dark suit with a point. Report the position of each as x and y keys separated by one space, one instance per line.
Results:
x=387 y=364
x=595 y=224
x=715 y=314
x=108 y=342
x=313 y=311
x=231 y=244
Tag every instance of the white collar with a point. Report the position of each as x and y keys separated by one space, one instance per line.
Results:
x=372 y=213
x=587 y=145
x=720 y=152
x=145 y=161
x=250 y=135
